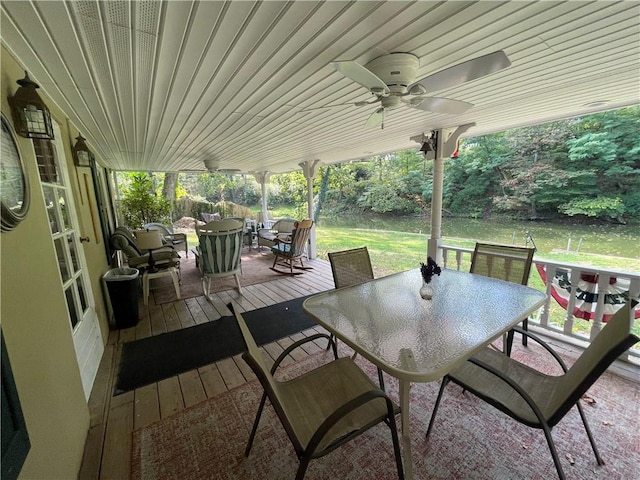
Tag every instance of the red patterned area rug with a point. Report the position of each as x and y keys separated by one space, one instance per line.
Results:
x=470 y=439
x=256 y=268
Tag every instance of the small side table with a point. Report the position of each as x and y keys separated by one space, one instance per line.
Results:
x=146 y=276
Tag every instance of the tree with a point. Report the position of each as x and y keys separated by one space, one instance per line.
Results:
x=141 y=204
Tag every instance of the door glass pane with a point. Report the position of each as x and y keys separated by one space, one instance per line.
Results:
x=62 y=260
x=62 y=202
x=45 y=156
x=83 y=297
x=52 y=211
x=72 y=252
x=71 y=305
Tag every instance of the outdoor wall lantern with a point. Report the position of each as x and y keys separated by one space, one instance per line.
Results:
x=81 y=153
x=31 y=117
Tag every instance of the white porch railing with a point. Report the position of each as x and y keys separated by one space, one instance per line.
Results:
x=549 y=316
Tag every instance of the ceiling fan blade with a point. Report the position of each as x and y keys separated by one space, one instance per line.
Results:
x=361 y=75
x=440 y=105
x=465 y=71
x=376 y=118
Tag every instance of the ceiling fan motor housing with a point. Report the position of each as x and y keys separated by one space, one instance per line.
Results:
x=397 y=70
x=212 y=165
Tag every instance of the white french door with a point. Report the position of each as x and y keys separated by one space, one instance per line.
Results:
x=83 y=321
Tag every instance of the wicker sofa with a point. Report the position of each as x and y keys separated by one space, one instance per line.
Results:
x=280 y=230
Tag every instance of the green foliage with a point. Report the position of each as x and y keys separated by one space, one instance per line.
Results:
x=385 y=198
x=186 y=207
x=141 y=203
x=602 y=206
x=588 y=166
x=218 y=187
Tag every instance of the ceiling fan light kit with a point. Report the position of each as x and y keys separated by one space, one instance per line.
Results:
x=392 y=80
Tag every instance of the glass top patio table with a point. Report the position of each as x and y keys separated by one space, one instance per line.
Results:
x=417 y=340
x=387 y=321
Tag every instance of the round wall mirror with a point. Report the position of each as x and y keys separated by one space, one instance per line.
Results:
x=14 y=189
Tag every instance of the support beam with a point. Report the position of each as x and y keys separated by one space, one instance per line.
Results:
x=263 y=178
x=310 y=169
x=446 y=142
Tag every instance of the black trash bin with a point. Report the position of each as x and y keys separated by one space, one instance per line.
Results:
x=122 y=284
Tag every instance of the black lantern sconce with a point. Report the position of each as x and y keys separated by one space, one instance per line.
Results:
x=31 y=117
x=81 y=153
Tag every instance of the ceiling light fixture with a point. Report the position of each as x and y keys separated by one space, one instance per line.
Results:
x=31 y=117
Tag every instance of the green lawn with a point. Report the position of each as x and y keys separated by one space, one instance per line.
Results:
x=397 y=251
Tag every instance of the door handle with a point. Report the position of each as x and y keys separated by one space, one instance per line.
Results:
x=85 y=239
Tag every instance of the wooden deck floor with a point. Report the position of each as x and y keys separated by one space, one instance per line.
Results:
x=113 y=419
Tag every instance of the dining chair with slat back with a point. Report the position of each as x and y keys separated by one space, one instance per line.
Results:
x=323 y=408
x=504 y=262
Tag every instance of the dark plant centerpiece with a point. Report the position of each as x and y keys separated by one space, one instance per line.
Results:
x=428 y=270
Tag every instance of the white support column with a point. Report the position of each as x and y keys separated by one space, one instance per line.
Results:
x=263 y=179
x=445 y=146
x=310 y=168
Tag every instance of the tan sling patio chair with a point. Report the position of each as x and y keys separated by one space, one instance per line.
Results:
x=350 y=267
x=504 y=262
x=534 y=398
x=321 y=409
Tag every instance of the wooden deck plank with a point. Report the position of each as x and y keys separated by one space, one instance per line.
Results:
x=90 y=468
x=208 y=309
x=171 y=319
x=170 y=396
x=192 y=388
x=146 y=406
x=212 y=380
x=156 y=317
x=116 y=458
x=245 y=369
x=230 y=372
x=184 y=314
x=100 y=394
x=198 y=315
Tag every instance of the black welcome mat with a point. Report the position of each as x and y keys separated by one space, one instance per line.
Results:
x=155 y=358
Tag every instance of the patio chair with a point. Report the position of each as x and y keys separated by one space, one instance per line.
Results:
x=122 y=239
x=504 y=262
x=321 y=409
x=218 y=252
x=290 y=251
x=176 y=240
x=350 y=267
x=279 y=230
x=534 y=398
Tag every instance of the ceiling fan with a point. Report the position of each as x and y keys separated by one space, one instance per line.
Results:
x=213 y=166
x=391 y=79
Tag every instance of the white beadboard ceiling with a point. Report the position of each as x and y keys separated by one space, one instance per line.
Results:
x=164 y=86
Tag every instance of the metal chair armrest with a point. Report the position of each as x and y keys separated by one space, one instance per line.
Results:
x=543 y=344
x=297 y=344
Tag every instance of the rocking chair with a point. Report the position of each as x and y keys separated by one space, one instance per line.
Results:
x=287 y=252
